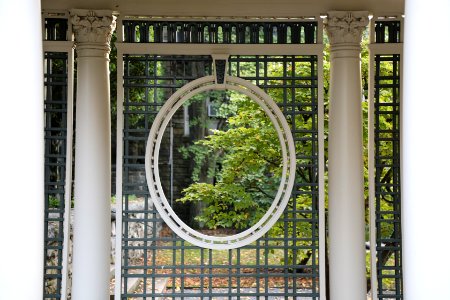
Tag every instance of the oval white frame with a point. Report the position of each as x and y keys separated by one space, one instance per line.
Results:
x=152 y=158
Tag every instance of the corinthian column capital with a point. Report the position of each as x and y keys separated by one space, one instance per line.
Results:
x=93 y=26
x=346 y=27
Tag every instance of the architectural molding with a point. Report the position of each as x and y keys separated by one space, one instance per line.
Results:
x=91 y=248
x=93 y=26
x=346 y=27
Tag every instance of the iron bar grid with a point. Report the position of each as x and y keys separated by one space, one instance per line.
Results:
x=304 y=32
x=251 y=271
x=55 y=29
x=387 y=32
x=55 y=112
x=387 y=176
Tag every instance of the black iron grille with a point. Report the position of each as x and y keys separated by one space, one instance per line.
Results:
x=55 y=29
x=387 y=176
x=55 y=103
x=220 y=32
x=387 y=32
x=283 y=266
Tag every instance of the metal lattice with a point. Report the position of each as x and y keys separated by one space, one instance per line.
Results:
x=281 y=266
x=55 y=29
x=55 y=103
x=295 y=90
x=387 y=176
x=387 y=32
x=220 y=32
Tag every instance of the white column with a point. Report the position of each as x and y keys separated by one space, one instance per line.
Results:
x=92 y=218
x=346 y=220
x=21 y=151
x=425 y=151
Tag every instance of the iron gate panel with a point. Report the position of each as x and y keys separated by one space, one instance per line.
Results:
x=387 y=176
x=216 y=32
x=387 y=32
x=157 y=257
x=55 y=112
x=55 y=29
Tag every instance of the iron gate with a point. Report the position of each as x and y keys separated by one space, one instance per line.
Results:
x=55 y=169
x=55 y=104
x=58 y=116
x=157 y=264
x=386 y=183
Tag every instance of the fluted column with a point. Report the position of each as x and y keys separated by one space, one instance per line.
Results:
x=346 y=221
x=21 y=151
x=92 y=219
x=425 y=151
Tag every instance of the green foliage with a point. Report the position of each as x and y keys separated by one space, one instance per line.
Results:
x=247 y=167
x=53 y=202
x=227 y=205
x=199 y=153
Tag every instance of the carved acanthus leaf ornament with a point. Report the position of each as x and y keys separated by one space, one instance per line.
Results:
x=346 y=27
x=93 y=27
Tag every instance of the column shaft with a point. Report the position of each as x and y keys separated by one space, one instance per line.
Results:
x=346 y=221
x=22 y=151
x=91 y=247
x=425 y=158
